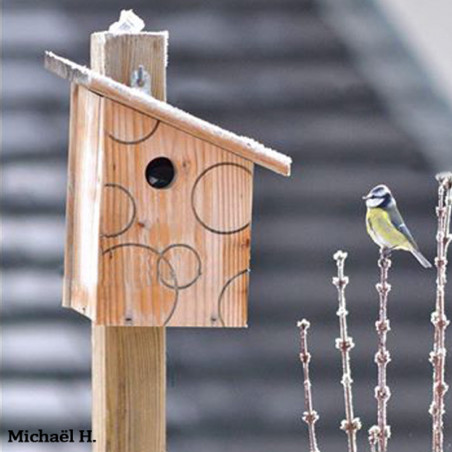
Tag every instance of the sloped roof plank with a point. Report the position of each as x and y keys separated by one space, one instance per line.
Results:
x=105 y=86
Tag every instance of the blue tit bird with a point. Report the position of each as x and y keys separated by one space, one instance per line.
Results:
x=385 y=225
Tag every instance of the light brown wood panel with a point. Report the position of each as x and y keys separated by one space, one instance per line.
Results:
x=83 y=201
x=118 y=55
x=128 y=397
x=174 y=263
x=244 y=147
x=161 y=257
x=129 y=364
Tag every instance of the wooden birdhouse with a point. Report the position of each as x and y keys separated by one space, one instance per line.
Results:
x=159 y=205
x=158 y=226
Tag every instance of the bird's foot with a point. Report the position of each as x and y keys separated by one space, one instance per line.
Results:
x=386 y=252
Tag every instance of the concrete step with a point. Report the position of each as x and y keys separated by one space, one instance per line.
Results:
x=369 y=136
x=196 y=33
x=276 y=297
x=222 y=85
x=39 y=240
x=39 y=188
x=62 y=349
x=176 y=5
x=328 y=441
x=182 y=442
x=220 y=407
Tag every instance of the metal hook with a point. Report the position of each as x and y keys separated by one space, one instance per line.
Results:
x=141 y=79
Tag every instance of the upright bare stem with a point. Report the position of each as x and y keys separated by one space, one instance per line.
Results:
x=310 y=416
x=382 y=357
x=344 y=344
x=439 y=319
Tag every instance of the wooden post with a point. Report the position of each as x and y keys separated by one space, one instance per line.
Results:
x=129 y=389
x=129 y=365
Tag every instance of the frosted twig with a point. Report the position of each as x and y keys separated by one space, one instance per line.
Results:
x=382 y=357
x=310 y=416
x=344 y=344
x=373 y=438
x=439 y=319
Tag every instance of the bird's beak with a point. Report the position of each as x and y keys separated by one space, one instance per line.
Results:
x=366 y=197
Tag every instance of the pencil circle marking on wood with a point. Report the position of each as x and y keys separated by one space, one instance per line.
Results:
x=144 y=126
x=185 y=257
x=223 y=295
x=138 y=140
x=113 y=204
x=216 y=195
x=141 y=280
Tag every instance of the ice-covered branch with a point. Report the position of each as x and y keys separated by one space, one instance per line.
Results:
x=373 y=438
x=439 y=319
x=344 y=344
x=382 y=358
x=310 y=416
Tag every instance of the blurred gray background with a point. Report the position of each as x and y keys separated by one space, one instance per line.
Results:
x=334 y=84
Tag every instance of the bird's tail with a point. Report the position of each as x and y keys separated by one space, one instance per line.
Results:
x=420 y=257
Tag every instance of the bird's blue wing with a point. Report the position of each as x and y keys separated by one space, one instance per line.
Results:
x=397 y=221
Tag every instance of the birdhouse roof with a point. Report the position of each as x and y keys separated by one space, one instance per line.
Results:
x=134 y=98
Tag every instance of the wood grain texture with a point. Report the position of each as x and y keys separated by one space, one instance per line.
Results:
x=118 y=55
x=177 y=256
x=171 y=266
x=228 y=141
x=83 y=201
x=128 y=394
x=129 y=364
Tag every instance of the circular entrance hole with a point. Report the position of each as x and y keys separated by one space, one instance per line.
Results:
x=160 y=172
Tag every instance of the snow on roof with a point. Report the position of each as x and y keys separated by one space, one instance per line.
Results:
x=242 y=146
x=128 y=22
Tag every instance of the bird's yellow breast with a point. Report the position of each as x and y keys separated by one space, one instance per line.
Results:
x=382 y=230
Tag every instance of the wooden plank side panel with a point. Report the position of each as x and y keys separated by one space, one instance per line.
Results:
x=177 y=256
x=128 y=389
x=70 y=198
x=83 y=202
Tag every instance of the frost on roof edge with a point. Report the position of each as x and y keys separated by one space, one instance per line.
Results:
x=263 y=155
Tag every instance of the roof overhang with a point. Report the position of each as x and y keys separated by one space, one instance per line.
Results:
x=148 y=105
